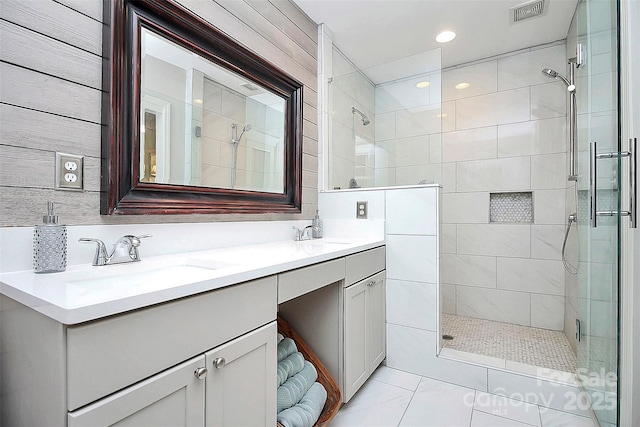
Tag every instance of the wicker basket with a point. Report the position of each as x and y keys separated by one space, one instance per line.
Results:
x=334 y=396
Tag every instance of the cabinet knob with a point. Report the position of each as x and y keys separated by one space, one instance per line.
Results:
x=219 y=362
x=200 y=373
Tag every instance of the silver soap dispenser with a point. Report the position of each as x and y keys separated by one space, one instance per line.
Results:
x=49 y=244
x=317 y=226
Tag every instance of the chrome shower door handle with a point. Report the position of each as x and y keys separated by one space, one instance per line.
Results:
x=593 y=211
x=633 y=186
x=632 y=213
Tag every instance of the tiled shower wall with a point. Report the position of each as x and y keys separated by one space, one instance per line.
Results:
x=408 y=127
x=505 y=132
x=350 y=143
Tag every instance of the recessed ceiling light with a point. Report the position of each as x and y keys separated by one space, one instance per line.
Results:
x=462 y=85
x=422 y=85
x=442 y=115
x=445 y=36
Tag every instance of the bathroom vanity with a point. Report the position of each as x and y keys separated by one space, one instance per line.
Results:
x=101 y=345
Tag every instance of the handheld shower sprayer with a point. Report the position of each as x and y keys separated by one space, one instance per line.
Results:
x=555 y=75
x=235 y=139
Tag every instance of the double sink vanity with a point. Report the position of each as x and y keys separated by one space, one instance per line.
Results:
x=186 y=339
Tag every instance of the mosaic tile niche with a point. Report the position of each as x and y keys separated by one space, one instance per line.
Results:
x=511 y=207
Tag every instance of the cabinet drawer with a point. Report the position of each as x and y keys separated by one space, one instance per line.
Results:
x=303 y=280
x=107 y=355
x=364 y=264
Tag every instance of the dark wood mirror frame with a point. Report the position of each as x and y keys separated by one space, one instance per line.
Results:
x=121 y=190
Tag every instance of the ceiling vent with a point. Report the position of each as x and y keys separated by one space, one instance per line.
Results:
x=527 y=10
x=250 y=86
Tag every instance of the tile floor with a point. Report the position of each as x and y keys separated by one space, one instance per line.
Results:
x=523 y=344
x=395 y=398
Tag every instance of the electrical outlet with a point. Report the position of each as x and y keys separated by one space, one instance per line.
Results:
x=69 y=172
x=362 y=210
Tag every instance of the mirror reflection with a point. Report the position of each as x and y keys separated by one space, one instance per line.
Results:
x=202 y=125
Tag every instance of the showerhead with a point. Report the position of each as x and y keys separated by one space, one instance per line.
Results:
x=363 y=117
x=555 y=75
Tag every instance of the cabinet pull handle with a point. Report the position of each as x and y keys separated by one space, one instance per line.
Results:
x=372 y=283
x=219 y=362
x=200 y=373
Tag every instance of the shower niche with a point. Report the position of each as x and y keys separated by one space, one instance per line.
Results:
x=513 y=207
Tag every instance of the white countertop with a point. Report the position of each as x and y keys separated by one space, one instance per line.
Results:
x=85 y=293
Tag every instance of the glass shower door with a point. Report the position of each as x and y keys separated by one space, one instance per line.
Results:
x=598 y=206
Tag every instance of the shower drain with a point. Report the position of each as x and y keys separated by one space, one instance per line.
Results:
x=447 y=337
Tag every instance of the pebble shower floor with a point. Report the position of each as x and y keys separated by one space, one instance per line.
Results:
x=524 y=344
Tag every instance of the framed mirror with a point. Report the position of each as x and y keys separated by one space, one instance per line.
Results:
x=195 y=122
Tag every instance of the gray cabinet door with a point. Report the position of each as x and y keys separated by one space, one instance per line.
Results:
x=364 y=331
x=173 y=398
x=242 y=380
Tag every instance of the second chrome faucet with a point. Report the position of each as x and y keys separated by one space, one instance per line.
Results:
x=304 y=234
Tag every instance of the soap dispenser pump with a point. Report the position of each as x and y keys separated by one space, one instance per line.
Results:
x=49 y=244
x=316 y=223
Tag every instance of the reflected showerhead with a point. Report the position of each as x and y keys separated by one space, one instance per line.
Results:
x=235 y=139
x=363 y=117
x=555 y=75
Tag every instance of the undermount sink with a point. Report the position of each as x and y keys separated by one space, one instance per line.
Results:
x=133 y=278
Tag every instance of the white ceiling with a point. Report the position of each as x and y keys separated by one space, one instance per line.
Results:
x=374 y=32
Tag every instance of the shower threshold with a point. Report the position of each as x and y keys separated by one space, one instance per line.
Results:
x=524 y=349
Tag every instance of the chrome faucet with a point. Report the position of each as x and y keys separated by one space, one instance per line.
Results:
x=300 y=234
x=124 y=250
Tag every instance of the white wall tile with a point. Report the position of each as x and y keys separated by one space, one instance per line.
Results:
x=412 y=175
x=418 y=121
x=482 y=79
x=494 y=175
x=547 y=207
x=448 y=239
x=548 y=100
x=546 y=241
x=548 y=171
x=468 y=270
x=547 y=311
x=494 y=240
x=448 y=116
x=448 y=179
x=385 y=126
x=411 y=304
x=435 y=148
x=342 y=204
x=412 y=211
x=533 y=137
x=492 y=304
x=471 y=144
x=412 y=258
x=448 y=296
x=494 y=109
x=461 y=208
x=531 y=275
x=525 y=69
x=409 y=349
